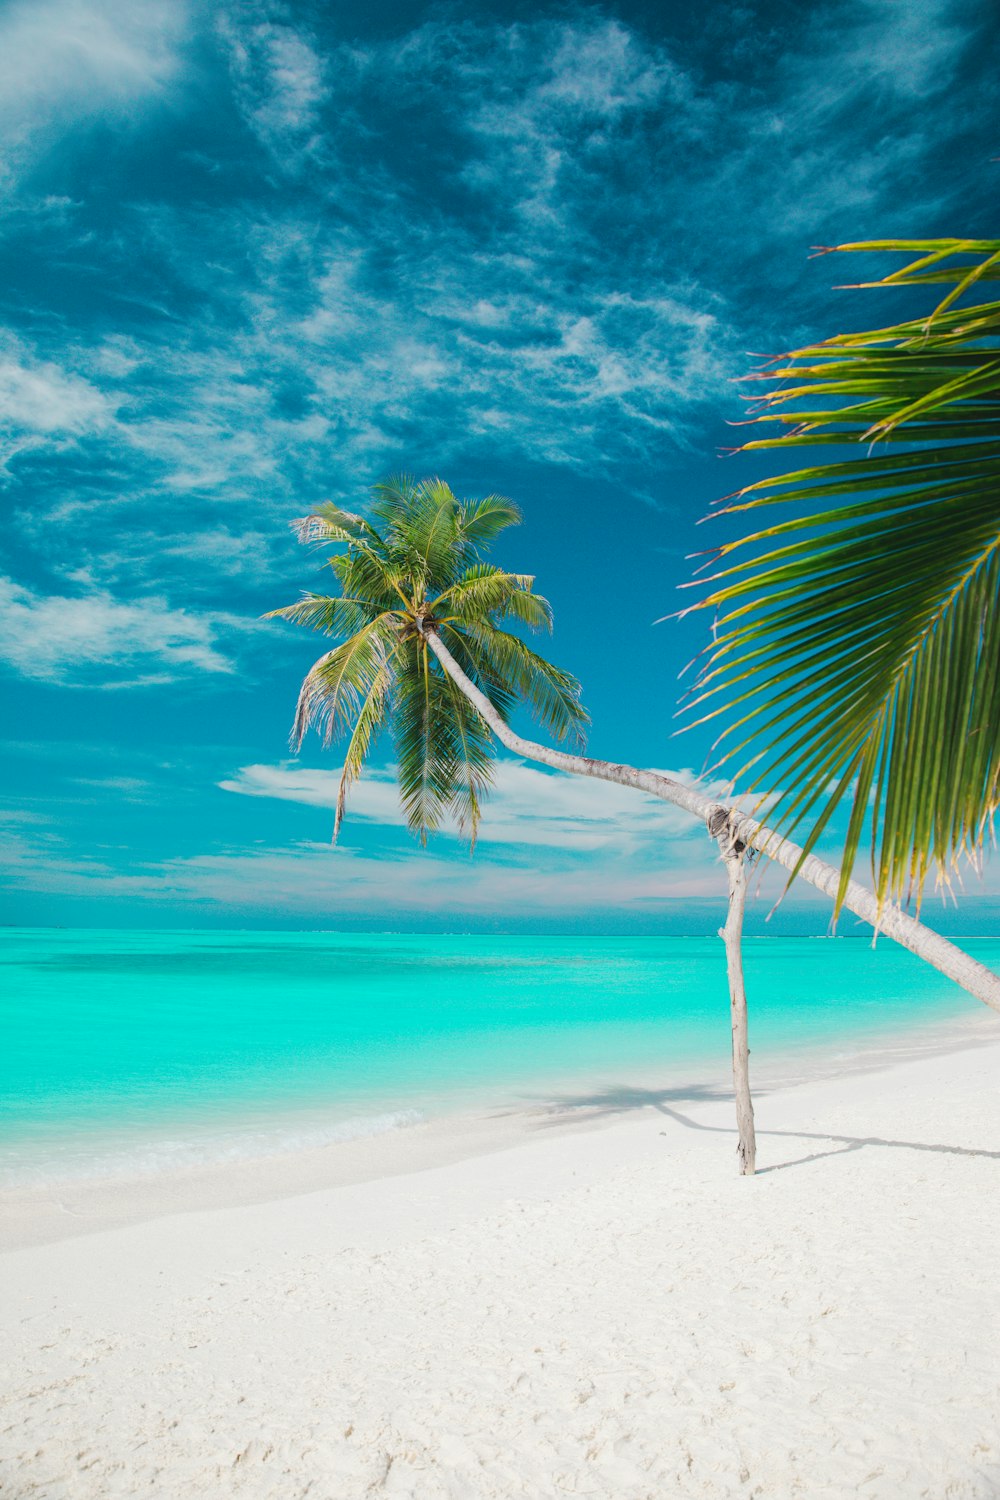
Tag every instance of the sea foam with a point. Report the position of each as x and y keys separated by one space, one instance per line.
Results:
x=86 y=1157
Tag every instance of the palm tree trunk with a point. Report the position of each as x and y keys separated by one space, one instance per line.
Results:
x=731 y=828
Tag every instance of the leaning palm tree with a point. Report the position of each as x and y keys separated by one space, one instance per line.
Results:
x=856 y=650
x=424 y=654
x=415 y=568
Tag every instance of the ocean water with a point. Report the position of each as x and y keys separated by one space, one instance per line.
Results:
x=138 y=1051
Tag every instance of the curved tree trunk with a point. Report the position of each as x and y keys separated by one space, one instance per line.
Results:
x=736 y=828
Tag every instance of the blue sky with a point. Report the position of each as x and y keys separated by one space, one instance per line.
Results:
x=254 y=256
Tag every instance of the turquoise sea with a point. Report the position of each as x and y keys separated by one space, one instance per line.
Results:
x=135 y=1051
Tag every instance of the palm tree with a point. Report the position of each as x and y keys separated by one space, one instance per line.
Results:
x=856 y=651
x=423 y=653
x=422 y=571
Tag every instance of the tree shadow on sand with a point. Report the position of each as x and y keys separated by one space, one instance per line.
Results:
x=581 y=1108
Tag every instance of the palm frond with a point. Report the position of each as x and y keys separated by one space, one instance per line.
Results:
x=474 y=757
x=480 y=522
x=370 y=719
x=363 y=574
x=855 y=652
x=365 y=569
x=337 y=685
x=484 y=590
x=330 y=523
x=330 y=614
x=421 y=528
x=430 y=768
x=476 y=663
x=528 y=608
x=551 y=694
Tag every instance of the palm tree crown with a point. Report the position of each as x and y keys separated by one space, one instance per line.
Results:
x=418 y=563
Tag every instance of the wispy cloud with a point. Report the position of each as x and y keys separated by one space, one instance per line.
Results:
x=907 y=51
x=526 y=806
x=39 y=399
x=313 y=879
x=55 y=638
x=341 y=344
x=63 y=62
x=318 y=883
x=278 y=83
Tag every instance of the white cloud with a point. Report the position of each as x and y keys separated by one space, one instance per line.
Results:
x=317 y=877
x=560 y=81
x=313 y=879
x=532 y=328
x=230 y=553
x=604 y=70
x=96 y=638
x=526 y=806
x=66 y=61
x=130 y=786
x=320 y=883
x=908 y=49
x=825 y=149
x=37 y=397
x=278 y=83
x=647 y=358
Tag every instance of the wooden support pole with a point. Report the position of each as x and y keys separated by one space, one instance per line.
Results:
x=738 y=869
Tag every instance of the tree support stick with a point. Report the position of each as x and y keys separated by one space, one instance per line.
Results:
x=738 y=870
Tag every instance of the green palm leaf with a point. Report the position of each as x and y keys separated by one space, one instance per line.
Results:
x=337 y=685
x=425 y=755
x=486 y=589
x=443 y=750
x=330 y=523
x=369 y=720
x=333 y=616
x=552 y=694
x=480 y=522
x=855 y=652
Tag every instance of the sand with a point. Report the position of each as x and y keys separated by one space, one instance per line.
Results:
x=596 y=1305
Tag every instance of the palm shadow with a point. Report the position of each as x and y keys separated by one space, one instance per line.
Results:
x=580 y=1108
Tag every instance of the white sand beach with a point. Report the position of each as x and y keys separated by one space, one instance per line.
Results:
x=600 y=1307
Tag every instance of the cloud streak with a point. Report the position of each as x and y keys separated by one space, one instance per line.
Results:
x=526 y=806
x=64 y=63
x=316 y=881
x=56 y=638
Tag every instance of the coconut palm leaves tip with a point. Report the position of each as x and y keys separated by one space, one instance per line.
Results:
x=417 y=561
x=856 y=654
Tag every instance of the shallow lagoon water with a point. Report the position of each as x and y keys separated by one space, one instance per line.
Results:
x=133 y=1051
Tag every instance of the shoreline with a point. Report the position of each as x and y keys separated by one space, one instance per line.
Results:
x=59 y=1208
x=602 y=1307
